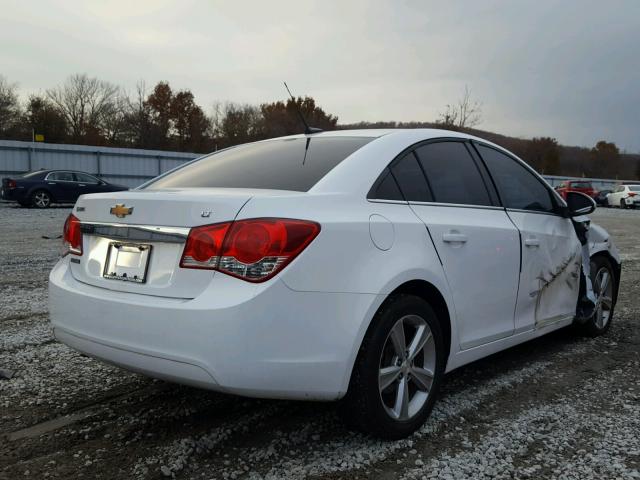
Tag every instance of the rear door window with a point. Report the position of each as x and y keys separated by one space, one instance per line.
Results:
x=61 y=176
x=410 y=178
x=453 y=174
x=285 y=164
x=518 y=187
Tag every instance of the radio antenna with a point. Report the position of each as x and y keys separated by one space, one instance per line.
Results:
x=307 y=129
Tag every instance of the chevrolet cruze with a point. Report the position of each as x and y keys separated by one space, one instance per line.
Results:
x=357 y=266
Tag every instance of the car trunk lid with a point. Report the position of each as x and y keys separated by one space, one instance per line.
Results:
x=142 y=234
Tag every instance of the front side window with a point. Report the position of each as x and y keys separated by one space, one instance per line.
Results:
x=286 y=164
x=453 y=174
x=518 y=187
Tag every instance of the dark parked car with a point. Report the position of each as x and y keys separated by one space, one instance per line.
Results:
x=601 y=198
x=44 y=187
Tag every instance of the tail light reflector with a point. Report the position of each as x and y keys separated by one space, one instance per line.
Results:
x=72 y=236
x=11 y=184
x=253 y=250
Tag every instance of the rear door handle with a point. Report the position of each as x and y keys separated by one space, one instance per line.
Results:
x=532 y=242
x=81 y=185
x=454 y=237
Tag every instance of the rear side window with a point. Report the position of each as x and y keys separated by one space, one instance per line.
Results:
x=288 y=164
x=517 y=186
x=634 y=188
x=84 y=178
x=386 y=188
x=453 y=174
x=61 y=176
x=410 y=178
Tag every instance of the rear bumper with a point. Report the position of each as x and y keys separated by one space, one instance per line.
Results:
x=236 y=337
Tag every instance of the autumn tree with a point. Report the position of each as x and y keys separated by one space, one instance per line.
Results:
x=191 y=127
x=465 y=113
x=281 y=118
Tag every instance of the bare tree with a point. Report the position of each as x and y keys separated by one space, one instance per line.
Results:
x=86 y=103
x=9 y=106
x=466 y=113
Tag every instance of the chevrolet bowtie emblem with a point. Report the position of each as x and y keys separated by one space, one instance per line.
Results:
x=120 y=210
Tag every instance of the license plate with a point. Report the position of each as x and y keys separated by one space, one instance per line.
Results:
x=127 y=262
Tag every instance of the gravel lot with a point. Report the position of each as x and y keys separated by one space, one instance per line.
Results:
x=563 y=406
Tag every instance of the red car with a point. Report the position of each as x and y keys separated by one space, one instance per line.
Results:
x=576 y=186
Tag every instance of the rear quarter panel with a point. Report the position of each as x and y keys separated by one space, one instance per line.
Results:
x=343 y=258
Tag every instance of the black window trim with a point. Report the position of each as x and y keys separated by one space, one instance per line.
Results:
x=561 y=209
x=495 y=199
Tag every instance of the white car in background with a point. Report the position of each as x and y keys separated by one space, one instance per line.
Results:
x=624 y=196
x=352 y=265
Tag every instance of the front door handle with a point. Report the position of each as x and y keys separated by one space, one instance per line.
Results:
x=454 y=237
x=81 y=185
x=532 y=242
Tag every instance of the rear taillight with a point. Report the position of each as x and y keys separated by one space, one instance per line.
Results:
x=72 y=236
x=632 y=194
x=253 y=250
x=11 y=184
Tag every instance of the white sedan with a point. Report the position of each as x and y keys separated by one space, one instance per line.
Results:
x=352 y=265
x=624 y=196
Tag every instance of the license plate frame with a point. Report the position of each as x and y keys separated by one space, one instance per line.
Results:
x=127 y=262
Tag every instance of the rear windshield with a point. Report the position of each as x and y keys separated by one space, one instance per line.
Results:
x=288 y=164
x=634 y=188
x=581 y=184
x=33 y=174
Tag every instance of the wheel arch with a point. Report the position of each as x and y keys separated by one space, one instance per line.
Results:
x=617 y=268
x=37 y=188
x=420 y=288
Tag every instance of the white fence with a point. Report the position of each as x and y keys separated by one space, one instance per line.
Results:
x=126 y=166
x=129 y=166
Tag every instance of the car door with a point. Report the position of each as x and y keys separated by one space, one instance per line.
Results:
x=62 y=186
x=476 y=242
x=87 y=183
x=551 y=251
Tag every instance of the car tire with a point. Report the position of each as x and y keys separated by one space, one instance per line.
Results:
x=382 y=379
x=622 y=204
x=600 y=322
x=41 y=199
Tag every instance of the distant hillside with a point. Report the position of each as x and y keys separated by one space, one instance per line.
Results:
x=544 y=154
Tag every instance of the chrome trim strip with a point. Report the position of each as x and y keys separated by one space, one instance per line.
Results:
x=142 y=233
x=396 y=202
x=537 y=212
x=457 y=205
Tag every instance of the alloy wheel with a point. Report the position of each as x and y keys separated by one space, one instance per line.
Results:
x=41 y=199
x=407 y=368
x=603 y=287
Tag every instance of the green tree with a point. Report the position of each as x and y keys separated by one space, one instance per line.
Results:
x=9 y=110
x=543 y=154
x=605 y=158
x=43 y=117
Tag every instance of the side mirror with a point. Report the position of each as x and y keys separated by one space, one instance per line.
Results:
x=580 y=204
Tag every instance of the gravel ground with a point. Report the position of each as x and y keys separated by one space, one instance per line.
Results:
x=563 y=406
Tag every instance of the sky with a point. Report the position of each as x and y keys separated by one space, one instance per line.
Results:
x=565 y=69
